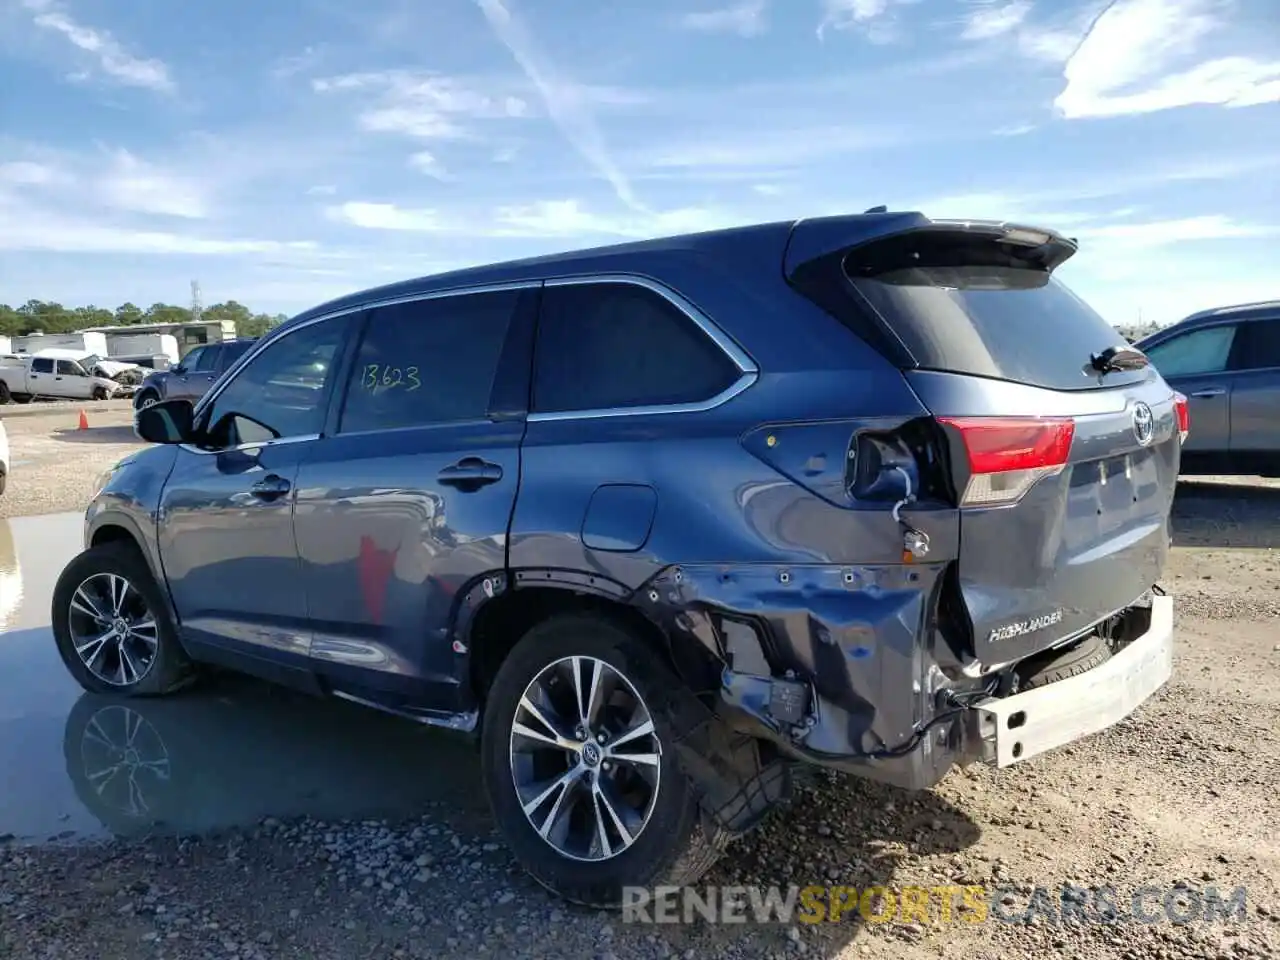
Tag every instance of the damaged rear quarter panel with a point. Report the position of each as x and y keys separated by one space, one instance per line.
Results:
x=731 y=534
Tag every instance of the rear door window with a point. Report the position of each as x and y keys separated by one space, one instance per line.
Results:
x=1257 y=346
x=611 y=345
x=41 y=365
x=428 y=362
x=1203 y=351
x=965 y=304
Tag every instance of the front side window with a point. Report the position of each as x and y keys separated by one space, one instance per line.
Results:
x=207 y=361
x=1196 y=352
x=69 y=368
x=191 y=359
x=281 y=393
x=427 y=362
x=610 y=345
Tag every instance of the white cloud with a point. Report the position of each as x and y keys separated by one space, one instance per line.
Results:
x=426 y=162
x=1135 y=60
x=747 y=19
x=428 y=106
x=782 y=148
x=27 y=173
x=132 y=184
x=1160 y=233
x=387 y=216
x=569 y=109
x=991 y=18
x=1015 y=130
x=323 y=190
x=541 y=219
x=873 y=18
x=112 y=58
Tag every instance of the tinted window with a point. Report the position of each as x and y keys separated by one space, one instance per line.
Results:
x=1199 y=351
x=68 y=369
x=609 y=345
x=431 y=361
x=281 y=392
x=970 y=305
x=41 y=365
x=1257 y=346
x=191 y=359
x=207 y=361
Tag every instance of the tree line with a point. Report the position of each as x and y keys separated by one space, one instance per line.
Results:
x=50 y=317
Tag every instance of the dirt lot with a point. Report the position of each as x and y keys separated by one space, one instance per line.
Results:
x=53 y=464
x=1185 y=792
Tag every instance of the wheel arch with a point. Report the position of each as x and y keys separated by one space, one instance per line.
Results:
x=499 y=610
x=114 y=527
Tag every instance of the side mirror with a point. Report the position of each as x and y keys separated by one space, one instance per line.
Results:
x=179 y=369
x=169 y=421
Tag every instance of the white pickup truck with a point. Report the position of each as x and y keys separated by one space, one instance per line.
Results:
x=54 y=373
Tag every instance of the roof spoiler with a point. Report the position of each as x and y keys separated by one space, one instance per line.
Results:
x=819 y=237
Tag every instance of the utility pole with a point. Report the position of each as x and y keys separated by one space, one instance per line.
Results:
x=197 y=308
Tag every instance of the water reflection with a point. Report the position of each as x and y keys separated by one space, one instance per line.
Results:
x=239 y=751
x=10 y=577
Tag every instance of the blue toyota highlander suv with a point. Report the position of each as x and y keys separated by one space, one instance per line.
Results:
x=660 y=521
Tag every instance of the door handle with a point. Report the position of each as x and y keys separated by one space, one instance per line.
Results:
x=1208 y=392
x=470 y=473
x=270 y=487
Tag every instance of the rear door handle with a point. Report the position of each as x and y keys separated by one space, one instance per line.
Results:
x=470 y=473
x=1209 y=392
x=270 y=487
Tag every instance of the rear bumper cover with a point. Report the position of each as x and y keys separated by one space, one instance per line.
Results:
x=1014 y=729
x=1008 y=730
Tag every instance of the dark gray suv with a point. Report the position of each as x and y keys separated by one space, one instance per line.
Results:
x=659 y=521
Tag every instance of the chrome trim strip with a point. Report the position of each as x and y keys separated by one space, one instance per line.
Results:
x=750 y=371
x=303 y=438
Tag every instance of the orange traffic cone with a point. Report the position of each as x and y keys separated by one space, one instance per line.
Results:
x=84 y=421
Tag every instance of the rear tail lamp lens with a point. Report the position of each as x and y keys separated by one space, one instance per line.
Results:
x=1009 y=455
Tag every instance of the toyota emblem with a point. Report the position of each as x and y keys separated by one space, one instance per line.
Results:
x=1144 y=424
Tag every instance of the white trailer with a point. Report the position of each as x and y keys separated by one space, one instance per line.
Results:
x=95 y=343
x=142 y=345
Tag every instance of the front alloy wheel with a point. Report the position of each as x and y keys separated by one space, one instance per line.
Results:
x=112 y=630
x=585 y=759
x=112 y=626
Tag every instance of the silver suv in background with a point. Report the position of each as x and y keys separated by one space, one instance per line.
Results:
x=1227 y=361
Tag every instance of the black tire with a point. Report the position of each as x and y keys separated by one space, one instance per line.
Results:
x=145 y=399
x=675 y=847
x=5 y=394
x=1092 y=651
x=4 y=482
x=169 y=668
x=99 y=393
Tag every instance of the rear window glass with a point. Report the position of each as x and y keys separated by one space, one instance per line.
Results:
x=976 y=307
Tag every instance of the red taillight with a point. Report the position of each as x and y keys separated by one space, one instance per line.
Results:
x=1183 y=411
x=1007 y=455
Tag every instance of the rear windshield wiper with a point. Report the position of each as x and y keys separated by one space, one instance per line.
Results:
x=1115 y=359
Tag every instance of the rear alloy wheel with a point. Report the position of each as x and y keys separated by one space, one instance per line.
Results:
x=112 y=627
x=580 y=766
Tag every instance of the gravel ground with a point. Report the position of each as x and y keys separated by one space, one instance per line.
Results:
x=1183 y=793
x=53 y=464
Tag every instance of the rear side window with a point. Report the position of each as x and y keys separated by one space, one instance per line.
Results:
x=1257 y=346
x=41 y=365
x=1198 y=351
x=429 y=361
x=975 y=306
x=614 y=345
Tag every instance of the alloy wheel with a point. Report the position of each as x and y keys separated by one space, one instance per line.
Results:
x=585 y=758
x=114 y=633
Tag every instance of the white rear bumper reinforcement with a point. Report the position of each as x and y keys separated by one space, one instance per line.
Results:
x=1025 y=725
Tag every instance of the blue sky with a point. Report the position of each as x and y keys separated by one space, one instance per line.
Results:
x=288 y=151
